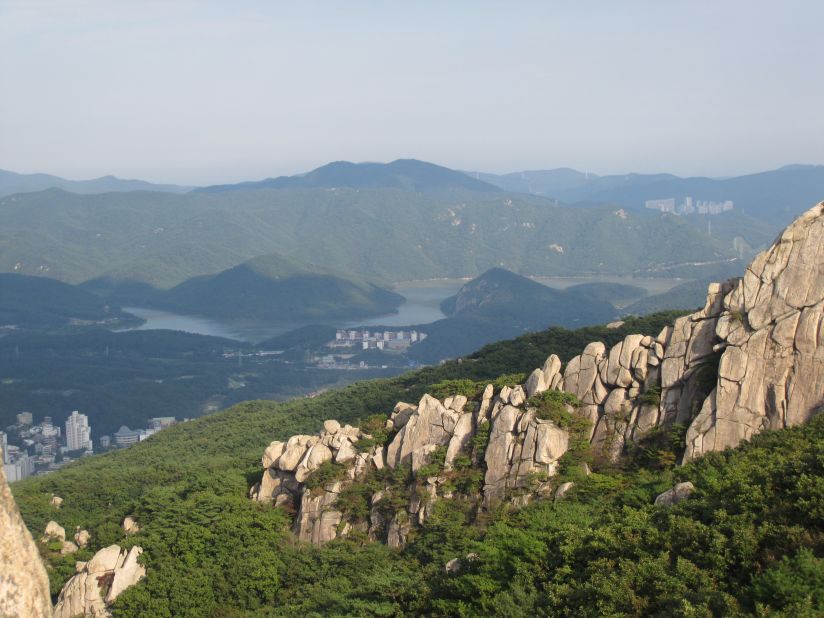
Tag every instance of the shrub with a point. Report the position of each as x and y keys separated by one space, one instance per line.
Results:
x=480 y=441
x=450 y=388
x=327 y=472
x=435 y=465
x=552 y=406
x=353 y=501
x=651 y=396
x=794 y=585
x=375 y=426
x=510 y=379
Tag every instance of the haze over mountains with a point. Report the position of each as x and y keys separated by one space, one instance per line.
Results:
x=407 y=174
x=775 y=196
x=345 y=232
x=12 y=182
x=428 y=222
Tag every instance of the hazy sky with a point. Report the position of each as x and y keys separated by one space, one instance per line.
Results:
x=201 y=92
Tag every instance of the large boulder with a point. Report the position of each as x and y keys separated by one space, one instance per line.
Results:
x=82 y=594
x=681 y=491
x=53 y=532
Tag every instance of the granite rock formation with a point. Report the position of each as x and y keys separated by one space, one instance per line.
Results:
x=522 y=452
x=99 y=582
x=24 y=584
x=750 y=359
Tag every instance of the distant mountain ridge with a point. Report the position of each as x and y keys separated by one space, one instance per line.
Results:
x=775 y=196
x=409 y=174
x=383 y=234
x=12 y=182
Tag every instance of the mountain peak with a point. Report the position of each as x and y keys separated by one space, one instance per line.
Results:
x=410 y=174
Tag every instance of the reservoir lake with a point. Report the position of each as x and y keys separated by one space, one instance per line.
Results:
x=422 y=306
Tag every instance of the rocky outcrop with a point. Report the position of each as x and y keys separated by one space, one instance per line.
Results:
x=99 y=582
x=24 y=584
x=521 y=454
x=288 y=465
x=771 y=370
x=681 y=491
x=750 y=359
x=130 y=526
x=523 y=451
x=53 y=532
x=82 y=537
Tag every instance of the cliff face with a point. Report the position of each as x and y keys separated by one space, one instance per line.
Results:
x=24 y=584
x=751 y=359
x=771 y=372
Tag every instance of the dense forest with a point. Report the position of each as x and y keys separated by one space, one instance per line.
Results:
x=748 y=541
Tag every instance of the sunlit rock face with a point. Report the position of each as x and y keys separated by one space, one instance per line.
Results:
x=749 y=360
x=24 y=584
x=771 y=371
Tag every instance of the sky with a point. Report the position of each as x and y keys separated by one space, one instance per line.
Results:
x=211 y=92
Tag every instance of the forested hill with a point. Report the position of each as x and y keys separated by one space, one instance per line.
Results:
x=273 y=288
x=40 y=302
x=383 y=234
x=209 y=550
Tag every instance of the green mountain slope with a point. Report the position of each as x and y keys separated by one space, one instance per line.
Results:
x=273 y=288
x=500 y=304
x=383 y=234
x=753 y=521
x=40 y=302
x=501 y=294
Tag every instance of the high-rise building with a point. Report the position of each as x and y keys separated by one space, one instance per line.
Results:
x=78 y=432
x=4 y=445
x=24 y=418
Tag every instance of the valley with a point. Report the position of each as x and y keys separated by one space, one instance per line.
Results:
x=430 y=309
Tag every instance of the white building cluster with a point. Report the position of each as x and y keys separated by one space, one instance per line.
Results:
x=376 y=340
x=690 y=206
x=42 y=447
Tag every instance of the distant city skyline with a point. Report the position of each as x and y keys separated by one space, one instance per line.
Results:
x=205 y=93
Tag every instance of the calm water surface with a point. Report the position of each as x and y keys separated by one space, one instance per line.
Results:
x=422 y=306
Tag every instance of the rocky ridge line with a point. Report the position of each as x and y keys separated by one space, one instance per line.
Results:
x=751 y=359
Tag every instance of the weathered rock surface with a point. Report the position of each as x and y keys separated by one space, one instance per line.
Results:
x=681 y=491
x=130 y=526
x=82 y=538
x=750 y=359
x=53 y=532
x=24 y=584
x=110 y=568
x=771 y=371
